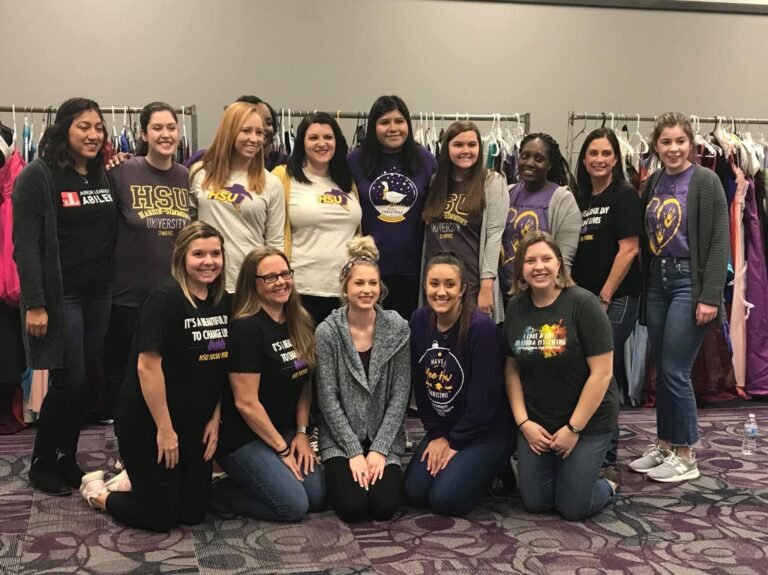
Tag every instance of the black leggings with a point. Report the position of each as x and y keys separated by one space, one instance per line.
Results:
x=353 y=503
x=162 y=498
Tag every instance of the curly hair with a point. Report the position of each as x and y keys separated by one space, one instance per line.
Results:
x=54 y=145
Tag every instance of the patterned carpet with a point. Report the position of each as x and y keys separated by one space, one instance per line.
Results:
x=717 y=524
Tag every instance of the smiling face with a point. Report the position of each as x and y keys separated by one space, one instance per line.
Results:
x=534 y=164
x=363 y=287
x=464 y=150
x=85 y=136
x=268 y=122
x=203 y=261
x=250 y=138
x=673 y=148
x=162 y=134
x=540 y=267
x=444 y=289
x=274 y=294
x=319 y=145
x=392 y=131
x=600 y=158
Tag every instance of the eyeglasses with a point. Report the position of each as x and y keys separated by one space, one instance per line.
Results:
x=272 y=278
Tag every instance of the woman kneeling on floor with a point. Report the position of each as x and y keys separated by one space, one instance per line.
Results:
x=363 y=384
x=559 y=383
x=273 y=473
x=457 y=359
x=168 y=418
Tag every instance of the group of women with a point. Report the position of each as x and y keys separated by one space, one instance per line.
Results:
x=277 y=312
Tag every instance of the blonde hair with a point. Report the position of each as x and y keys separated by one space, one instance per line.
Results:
x=563 y=279
x=188 y=234
x=217 y=160
x=301 y=326
x=360 y=250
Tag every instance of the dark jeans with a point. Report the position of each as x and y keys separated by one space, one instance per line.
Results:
x=623 y=315
x=261 y=486
x=319 y=307
x=403 y=296
x=161 y=498
x=570 y=486
x=459 y=487
x=85 y=324
x=117 y=351
x=675 y=341
x=353 y=503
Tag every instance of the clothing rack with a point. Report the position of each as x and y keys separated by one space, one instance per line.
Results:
x=524 y=118
x=611 y=116
x=190 y=111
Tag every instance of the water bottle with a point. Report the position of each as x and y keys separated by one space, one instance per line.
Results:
x=749 y=443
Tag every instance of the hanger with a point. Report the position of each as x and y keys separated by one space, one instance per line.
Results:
x=580 y=132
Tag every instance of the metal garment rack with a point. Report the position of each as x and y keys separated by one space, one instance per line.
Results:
x=610 y=116
x=524 y=118
x=190 y=111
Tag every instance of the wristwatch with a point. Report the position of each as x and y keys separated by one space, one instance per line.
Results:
x=573 y=428
x=302 y=429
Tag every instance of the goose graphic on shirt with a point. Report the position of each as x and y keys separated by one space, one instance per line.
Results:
x=393 y=194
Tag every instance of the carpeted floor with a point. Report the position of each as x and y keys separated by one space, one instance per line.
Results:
x=717 y=524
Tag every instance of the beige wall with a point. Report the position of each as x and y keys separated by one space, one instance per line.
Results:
x=341 y=54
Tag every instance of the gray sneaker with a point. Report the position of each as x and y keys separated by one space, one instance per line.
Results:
x=653 y=457
x=674 y=469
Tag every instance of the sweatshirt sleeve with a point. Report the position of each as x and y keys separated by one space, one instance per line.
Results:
x=715 y=267
x=274 y=232
x=484 y=353
x=29 y=196
x=496 y=210
x=397 y=401
x=565 y=223
x=328 y=393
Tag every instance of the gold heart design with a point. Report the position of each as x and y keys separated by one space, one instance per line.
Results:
x=666 y=227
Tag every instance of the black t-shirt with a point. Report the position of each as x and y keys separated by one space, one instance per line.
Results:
x=551 y=346
x=260 y=345
x=86 y=218
x=193 y=344
x=613 y=215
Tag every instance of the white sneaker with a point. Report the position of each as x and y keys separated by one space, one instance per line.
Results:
x=653 y=457
x=674 y=469
x=119 y=482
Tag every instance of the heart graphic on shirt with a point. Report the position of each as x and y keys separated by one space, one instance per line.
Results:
x=668 y=214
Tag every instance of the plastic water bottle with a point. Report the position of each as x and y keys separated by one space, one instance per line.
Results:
x=749 y=443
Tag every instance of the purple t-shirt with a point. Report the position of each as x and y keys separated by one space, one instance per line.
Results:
x=528 y=211
x=665 y=216
x=392 y=202
x=457 y=231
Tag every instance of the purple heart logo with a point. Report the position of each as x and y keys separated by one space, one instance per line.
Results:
x=668 y=215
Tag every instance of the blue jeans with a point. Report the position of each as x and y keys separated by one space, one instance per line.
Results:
x=459 y=487
x=570 y=486
x=259 y=485
x=86 y=319
x=623 y=315
x=675 y=341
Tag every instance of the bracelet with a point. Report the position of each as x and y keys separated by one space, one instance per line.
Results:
x=519 y=425
x=285 y=452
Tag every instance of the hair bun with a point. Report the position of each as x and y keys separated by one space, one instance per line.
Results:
x=362 y=247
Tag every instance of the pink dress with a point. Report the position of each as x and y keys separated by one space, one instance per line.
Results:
x=9 y=278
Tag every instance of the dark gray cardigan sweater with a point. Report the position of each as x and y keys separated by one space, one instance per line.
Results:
x=36 y=251
x=353 y=406
x=708 y=239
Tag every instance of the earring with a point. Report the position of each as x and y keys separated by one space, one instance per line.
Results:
x=522 y=285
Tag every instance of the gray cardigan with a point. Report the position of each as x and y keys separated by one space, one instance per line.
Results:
x=708 y=239
x=353 y=406
x=36 y=251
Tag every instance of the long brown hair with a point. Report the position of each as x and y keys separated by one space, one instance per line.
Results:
x=188 y=234
x=563 y=280
x=217 y=160
x=473 y=184
x=301 y=326
x=467 y=306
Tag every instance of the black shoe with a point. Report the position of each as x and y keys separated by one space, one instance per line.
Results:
x=69 y=470
x=612 y=474
x=44 y=476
